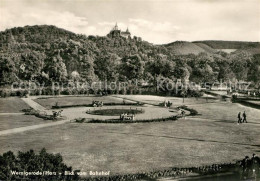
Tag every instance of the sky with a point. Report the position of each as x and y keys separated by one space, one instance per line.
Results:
x=156 y=21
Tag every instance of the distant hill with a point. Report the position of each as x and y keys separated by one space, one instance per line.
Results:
x=185 y=48
x=206 y=47
x=215 y=44
x=212 y=47
x=35 y=34
x=250 y=49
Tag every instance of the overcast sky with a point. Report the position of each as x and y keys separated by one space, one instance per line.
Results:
x=157 y=21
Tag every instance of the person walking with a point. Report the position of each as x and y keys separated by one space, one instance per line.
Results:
x=244 y=117
x=239 y=117
x=183 y=114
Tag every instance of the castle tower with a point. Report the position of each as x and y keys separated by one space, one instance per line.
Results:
x=126 y=33
x=115 y=32
x=116 y=27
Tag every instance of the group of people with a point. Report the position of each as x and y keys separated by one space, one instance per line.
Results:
x=167 y=104
x=241 y=118
x=126 y=116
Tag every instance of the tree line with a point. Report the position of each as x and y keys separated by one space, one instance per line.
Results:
x=47 y=53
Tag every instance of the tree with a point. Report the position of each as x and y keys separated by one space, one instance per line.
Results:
x=202 y=71
x=240 y=64
x=87 y=68
x=56 y=68
x=160 y=65
x=75 y=76
x=7 y=70
x=132 y=67
x=30 y=161
x=254 y=70
x=182 y=73
x=33 y=63
x=225 y=71
x=106 y=66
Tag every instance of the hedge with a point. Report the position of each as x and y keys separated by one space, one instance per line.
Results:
x=172 y=118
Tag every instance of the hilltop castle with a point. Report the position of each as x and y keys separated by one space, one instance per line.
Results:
x=115 y=32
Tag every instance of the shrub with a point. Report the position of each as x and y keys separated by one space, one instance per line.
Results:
x=30 y=161
x=80 y=120
x=18 y=93
x=193 y=112
x=25 y=92
x=13 y=93
x=66 y=92
x=47 y=91
x=74 y=92
x=246 y=169
x=5 y=93
x=38 y=92
x=171 y=118
x=32 y=92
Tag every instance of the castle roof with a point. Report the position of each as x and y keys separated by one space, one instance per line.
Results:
x=116 y=32
x=115 y=27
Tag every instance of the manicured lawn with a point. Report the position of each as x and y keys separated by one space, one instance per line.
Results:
x=209 y=138
x=176 y=101
x=74 y=100
x=219 y=92
x=129 y=148
x=226 y=111
x=12 y=105
x=255 y=102
x=16 y=121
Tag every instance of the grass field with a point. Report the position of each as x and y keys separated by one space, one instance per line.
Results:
x=176 y=101
x=124 y=148
x=209 y=138
x=226 y=112
x=222 y=93
x=12 y=104
x=255 y=102
x=15 y=121
x=73 y=100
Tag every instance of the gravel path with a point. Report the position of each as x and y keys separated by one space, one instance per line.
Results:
x=11 y=114
x=28 y=128
x=34 y=104
x=150 y=112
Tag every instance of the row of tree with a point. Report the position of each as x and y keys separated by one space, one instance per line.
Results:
x=46 y=53
x=29 y=165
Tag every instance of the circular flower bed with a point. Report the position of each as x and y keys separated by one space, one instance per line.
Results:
x=115 y=112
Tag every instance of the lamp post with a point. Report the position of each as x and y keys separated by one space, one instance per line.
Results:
x=183 y=93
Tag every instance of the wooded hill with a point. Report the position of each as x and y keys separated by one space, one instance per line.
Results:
x=47 y=53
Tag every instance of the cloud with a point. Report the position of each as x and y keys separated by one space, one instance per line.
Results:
x=106 y=23
x=154 y=26
x=158 y=32
x=154 y=20
x=66 y=20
